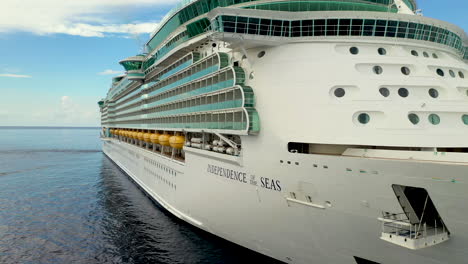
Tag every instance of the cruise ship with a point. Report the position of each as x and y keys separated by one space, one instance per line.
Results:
x=331 y=131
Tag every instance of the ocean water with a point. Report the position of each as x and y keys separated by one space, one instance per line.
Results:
x=63 y=201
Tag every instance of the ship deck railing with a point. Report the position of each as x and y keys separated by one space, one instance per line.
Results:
x=398 y=229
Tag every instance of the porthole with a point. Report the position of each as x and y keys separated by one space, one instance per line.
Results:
x=414 y=53
x=440 y=72
x=382 y=51
x=465 y=119
x=425 y=54
x=261 y=54
x=354 y=50
x=433 y=93
x=213 y=45
x=413 y=118
x=405 y=70
x=339 y=92
x=461 y=75
x=403 y=92
x=434 y=119
x=435 y=56
x=452 y=73
x=363 y=118
x=384 y=92
x=378 y=70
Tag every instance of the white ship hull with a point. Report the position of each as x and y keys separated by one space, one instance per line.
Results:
x=356 y=132
x=294 y=230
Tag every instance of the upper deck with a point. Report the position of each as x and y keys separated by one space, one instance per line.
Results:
x=197 y=79
x=189 y=9
x=190 y=19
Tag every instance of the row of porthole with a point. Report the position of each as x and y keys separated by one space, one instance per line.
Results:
x=404 y=70
x=441 y=73
x=385 y=92
x=403 y=92
x=355 y=51
x=434 y=119
x=382 y=51
x=425 y=54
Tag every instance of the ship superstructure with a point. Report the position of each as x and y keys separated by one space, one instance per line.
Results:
x=309 y=131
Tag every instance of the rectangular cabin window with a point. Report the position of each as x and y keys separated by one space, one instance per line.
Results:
x=402 y=29
x=392 y=27
x=412 y=30
x=369 y=27
x=253 y=25
x=296 y=28
x=345 y=26
x=332 y=27
x=307 y=28
x=277 y=27
x=356 y=28
x=241 y=25
x=380 y=28
x=265 y=26
x=319 y=27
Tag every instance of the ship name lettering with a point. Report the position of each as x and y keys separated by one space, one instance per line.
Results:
x=228 y=173
x=270 y=184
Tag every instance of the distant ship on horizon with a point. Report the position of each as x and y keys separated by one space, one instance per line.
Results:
x=309 y=131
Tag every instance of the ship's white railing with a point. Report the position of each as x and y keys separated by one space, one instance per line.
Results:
x=398 y=229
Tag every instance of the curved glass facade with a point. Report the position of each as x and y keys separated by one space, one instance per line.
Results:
x=411 y=4
x=301 y=6
x=200 y=7
x=338 y=27
x=131 y=65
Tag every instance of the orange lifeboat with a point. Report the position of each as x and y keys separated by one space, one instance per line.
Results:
x=146 y=137
x=164 y=139
x=155 y=138
x=177 y=142
x=140 y=135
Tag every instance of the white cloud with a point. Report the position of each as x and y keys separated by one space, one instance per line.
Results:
x=14 y=75
x=110 y=72
x=71 y=113
x=88 y=18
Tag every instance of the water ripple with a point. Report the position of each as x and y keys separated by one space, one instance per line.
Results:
x=27 y=151
x=59 y=207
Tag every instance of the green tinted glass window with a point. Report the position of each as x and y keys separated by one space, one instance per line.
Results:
x=465 y=119
x=363 y=118
x=434 y=119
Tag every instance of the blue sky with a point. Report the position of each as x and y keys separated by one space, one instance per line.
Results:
x=54 y=54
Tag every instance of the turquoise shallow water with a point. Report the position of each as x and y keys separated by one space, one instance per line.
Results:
x=63 y=201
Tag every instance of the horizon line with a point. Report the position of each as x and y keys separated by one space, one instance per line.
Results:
x=50 y=127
